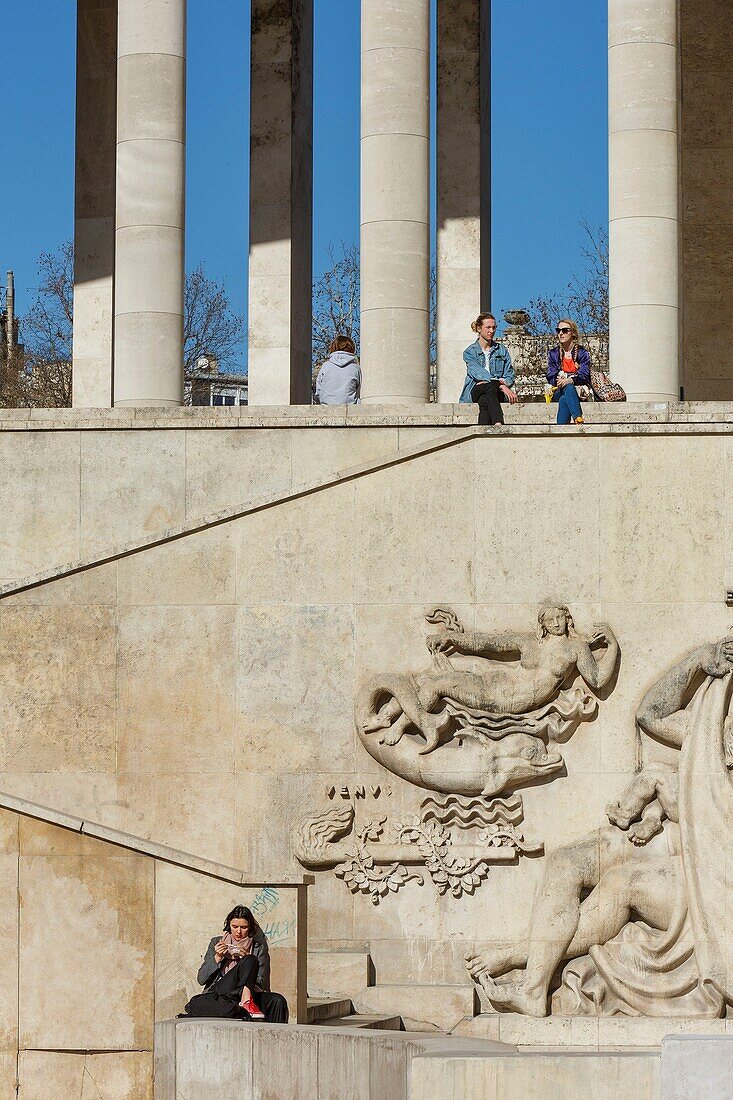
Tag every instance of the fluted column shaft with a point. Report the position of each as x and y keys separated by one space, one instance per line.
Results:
x=643 y=194
x=395 y=190
x=149 y=271
x=94 y=202
x=463 y=183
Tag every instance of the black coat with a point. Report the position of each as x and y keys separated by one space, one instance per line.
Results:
x=209 y=970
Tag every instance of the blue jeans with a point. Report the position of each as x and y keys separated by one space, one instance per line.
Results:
x=568 y=404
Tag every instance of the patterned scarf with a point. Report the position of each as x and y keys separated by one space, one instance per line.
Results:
x=241 y=948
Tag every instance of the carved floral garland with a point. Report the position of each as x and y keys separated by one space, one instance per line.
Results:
x=367 y=868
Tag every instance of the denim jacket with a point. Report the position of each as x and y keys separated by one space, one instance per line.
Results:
x=500 y=367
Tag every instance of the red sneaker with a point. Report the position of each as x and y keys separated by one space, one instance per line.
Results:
x=254 y=1011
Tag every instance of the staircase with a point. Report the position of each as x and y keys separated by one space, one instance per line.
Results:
x=339 y=1012
x=343 y=993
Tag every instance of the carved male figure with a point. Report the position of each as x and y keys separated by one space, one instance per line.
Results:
x=622 y=880
x=649 y=799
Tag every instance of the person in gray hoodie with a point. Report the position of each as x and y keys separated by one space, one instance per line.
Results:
x=339 y=379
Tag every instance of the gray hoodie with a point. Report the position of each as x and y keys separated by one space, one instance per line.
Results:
x=339 y=380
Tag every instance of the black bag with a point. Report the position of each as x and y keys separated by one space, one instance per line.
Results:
x=215 y=1005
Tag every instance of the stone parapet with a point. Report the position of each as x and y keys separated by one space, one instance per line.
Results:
x=161 y=852
x=589 y=1032
x=532 y=415
x=200 y=1058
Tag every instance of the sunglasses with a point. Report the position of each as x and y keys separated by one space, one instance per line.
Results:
x=562 y=331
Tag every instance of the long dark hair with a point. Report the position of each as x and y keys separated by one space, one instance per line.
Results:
x=241 y=912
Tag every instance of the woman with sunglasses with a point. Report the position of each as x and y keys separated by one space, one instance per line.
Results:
x=568 y=366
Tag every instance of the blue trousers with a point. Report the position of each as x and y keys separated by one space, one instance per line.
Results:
x=568 y=404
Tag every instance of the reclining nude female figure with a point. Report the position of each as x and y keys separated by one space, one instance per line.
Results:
x=526 y=672
x=625 y=880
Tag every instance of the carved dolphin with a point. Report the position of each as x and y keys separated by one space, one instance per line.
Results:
x=466 y=764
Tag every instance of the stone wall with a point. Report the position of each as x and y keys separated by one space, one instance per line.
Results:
x=99 y=941
x=201 y=691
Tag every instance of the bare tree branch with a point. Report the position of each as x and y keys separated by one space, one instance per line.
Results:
x=43 y=378
x=585 y=300
x=209 y=322
x=336 y=301
x=336 y=305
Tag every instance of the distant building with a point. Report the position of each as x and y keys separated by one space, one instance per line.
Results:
x=207 y=385
x=9 y=347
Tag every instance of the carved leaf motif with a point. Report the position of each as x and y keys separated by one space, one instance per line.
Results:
x=448 y=872
x=372 y=830
x=361 y=875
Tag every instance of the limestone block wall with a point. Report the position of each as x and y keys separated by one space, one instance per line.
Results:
x=72 y=487
x=77 y=963
x=706 y=261
x=201 y=692
x=97 y=943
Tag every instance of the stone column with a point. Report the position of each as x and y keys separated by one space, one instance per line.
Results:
x=151 y=82
x=94 y=202
x=643 y=189
x=281 y=203
x=463 y=182
x=395 y=191
x=706 y=173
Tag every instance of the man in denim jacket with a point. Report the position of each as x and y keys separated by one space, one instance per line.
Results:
x=489 y=372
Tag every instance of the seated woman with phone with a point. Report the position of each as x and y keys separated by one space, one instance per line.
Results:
x=235 y=974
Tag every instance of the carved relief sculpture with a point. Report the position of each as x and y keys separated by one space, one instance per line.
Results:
x=370 y=863
x=485 y=718
x=488 y=725
x=640 y=911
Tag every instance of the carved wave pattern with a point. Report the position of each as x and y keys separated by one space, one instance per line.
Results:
x=473 y=812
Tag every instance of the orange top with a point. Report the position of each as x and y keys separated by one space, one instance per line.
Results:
x=568 y=364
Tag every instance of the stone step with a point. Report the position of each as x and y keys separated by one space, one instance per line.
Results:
x=367 y=1020
x=586 y=1032
x=321 y=1009
x=443 y=1006
x=336 y=973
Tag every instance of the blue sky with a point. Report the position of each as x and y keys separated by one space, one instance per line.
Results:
x=549 y=75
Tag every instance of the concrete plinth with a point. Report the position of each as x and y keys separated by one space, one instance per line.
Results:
x=395 y=193
x=149 y=271
x=697 y=1067
x=197 y=1059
